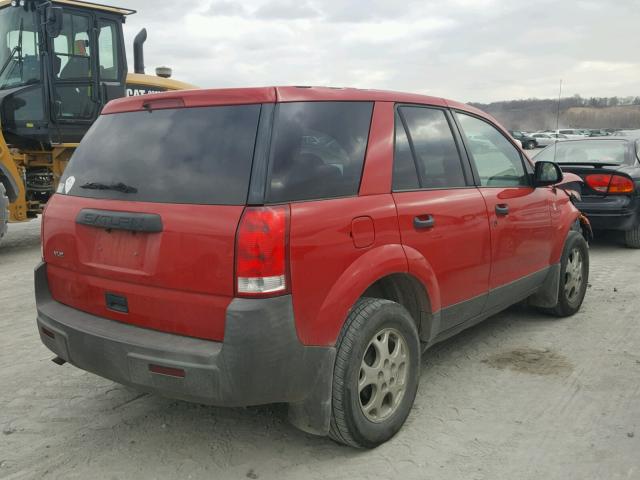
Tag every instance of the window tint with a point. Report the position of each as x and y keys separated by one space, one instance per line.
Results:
x=405 y=176
x=498 y=162
x=437 y=156
x=75 y=102
x=318 y=150
x=187 y=155
x=107 y=51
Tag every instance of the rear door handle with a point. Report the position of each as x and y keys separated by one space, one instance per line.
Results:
x=502 y=209
x=424 y=221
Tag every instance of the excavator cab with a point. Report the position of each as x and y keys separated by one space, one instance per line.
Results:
x=60 y=63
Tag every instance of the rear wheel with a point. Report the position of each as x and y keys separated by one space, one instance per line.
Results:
x=530 y=145
x=632 y=238
x=4 y=211
x=376 y=373
x=574 y=276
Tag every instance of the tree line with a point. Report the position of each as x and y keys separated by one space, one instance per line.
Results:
x=575 y=112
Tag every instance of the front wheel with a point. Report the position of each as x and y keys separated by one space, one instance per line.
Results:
x=376 y=373
x=530 y=145
x=632 y=238
x=574 y=276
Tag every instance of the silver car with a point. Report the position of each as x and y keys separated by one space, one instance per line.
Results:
x=546 y=139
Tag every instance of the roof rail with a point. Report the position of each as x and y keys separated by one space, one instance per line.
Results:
x=100 y=6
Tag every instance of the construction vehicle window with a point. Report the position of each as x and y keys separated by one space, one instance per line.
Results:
x=73 y=49
x=107 y=51
x=19 y=56
x=74 y=102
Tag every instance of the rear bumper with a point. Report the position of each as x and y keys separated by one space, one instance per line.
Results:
x=611 y=213
x=261 y=360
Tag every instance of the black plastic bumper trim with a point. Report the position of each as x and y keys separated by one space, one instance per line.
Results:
x=261 y=360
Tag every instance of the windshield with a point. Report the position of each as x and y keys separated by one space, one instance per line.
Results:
x=19 y=59
x=588 y=151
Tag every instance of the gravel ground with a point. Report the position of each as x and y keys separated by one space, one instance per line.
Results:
x=520 y=396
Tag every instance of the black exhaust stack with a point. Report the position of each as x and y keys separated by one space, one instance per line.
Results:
x=138 y=51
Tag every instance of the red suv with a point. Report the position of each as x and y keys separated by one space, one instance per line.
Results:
x=296 y=245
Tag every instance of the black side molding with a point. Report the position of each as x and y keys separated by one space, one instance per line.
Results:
x=134 y=222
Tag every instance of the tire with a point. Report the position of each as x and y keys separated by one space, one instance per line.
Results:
x=372 y=324
x=572 y=289
x=632 y=238
x=530 y=145
x=4 y=211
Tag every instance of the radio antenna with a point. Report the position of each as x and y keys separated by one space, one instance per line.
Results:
x=555 y=144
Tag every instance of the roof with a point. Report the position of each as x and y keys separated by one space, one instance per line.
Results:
x=239 y=96
x=84 y=4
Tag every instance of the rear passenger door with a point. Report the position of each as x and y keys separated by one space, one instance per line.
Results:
x=441 y=214
x=519 y=215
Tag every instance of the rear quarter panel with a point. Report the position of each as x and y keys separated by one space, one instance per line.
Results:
x=328 y=272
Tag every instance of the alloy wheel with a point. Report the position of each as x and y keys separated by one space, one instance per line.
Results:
x=573 y=276
x=383 y=375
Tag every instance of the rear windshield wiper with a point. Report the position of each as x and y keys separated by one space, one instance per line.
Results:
x=118 y=187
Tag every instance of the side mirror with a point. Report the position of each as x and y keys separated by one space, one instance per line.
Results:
x=54 y=21
x=547 y=173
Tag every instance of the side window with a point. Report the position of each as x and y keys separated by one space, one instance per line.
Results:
x=434 y=146
x=72 y=49
x=498 y=162
x=405 y=176
x=318 y=150
x=108 y=51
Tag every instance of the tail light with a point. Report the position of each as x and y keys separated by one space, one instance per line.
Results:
x=621 y=184
x=261 y=252
x=612 y=184
x=42 y=232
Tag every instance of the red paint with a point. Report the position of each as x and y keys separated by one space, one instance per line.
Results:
x=520 y=241
x=363 y=232
x=376 y=177
x=182 y=279
x=328 y=273
x=179 y=280
x=458 y=247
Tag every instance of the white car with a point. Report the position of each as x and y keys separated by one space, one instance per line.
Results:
x=546 y=139
x=570 y=133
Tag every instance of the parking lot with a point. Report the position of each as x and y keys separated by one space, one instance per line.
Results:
x=522 y=395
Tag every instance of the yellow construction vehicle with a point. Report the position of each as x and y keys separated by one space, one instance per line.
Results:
x=61 y=61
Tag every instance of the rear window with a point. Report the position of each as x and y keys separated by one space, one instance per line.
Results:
x=318 y=150
x=586 y=151
x=187 y=155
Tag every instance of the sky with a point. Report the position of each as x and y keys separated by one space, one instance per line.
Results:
x=468 y=50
